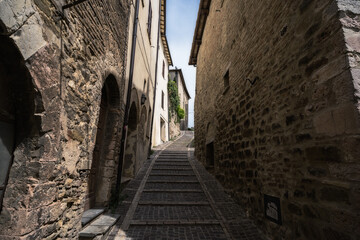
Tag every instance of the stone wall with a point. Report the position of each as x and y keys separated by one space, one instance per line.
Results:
x=284 y=121
x=68 y=61
x=174 y=127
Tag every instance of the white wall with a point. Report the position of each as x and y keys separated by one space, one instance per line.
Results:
x=160 y=112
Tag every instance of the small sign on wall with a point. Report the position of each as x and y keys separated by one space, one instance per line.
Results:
x=272 y=209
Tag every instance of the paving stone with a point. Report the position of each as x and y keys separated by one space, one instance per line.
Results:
x=172 y=186
x=231 y=211
x=203 y=232
x=174 y=213
x=180 y=204
x=172 y=178
x=219 y=196
x=161 y=196
x=133 y=184
x=167 y=167
x=190 y=172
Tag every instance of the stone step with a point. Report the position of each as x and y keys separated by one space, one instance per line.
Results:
x=171 y=161
x=171 y=164
x=173 y=158
x=174 y=222
x=90 y=215
x=175 y=174
x=177 y=169
x=172 y=181
x=99 y=227
x=163 y=203
x=172 y=190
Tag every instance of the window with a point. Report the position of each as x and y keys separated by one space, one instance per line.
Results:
x=144 y=85
x=162 y=99
x=163 y=69
x=210 y=158
x=149 y=124
x=226 y=81
x=149 y=20
x=162 y=130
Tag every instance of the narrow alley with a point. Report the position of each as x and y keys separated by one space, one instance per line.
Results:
x=174 y=197
x=179 y=119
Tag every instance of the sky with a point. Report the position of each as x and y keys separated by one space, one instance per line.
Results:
x=181 y=18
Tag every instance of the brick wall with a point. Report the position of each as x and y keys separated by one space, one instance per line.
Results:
x=288 y=125
x=68 y=62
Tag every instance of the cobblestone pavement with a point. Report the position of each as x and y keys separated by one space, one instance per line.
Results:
x=174 y=197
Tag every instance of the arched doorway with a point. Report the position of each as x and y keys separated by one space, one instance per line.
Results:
x=210 y=150
x=103 y=167
x=142 y=147
x=17 y=107
x=131 y=143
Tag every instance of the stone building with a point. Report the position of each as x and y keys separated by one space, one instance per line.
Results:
x=177 y=76
x=73 y=80
x=160 y=129
x=277 y=111
x=144 y=79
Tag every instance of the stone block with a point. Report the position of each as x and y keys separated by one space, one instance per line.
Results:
x=334 y=194
x=323 y=154
x=90 y=215
x=340 y=120
x=42 y=195
x=29 y=38
x=352 y=40
x=348 y=172
x=294 y=209
x=349 y=5
x=14 y=13
x=100 y=226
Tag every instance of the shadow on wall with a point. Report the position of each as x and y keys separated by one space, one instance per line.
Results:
x=131 y=143
x=19 y=127
x=103 y=169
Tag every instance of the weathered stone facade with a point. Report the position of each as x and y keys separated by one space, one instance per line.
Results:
x=277 y=110
x=184 y=96
x=68 y=111
x=174 y=127
x=148 y=47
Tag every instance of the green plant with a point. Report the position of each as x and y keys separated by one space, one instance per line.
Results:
x=173 y=96
x=180 y=113
x=174 y=99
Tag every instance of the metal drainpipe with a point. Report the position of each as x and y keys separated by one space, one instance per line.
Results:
x=128 y=97
x=156 y=70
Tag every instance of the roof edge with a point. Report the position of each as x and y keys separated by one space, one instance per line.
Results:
x=182 y=80
x=203 y=13
x=163 y=32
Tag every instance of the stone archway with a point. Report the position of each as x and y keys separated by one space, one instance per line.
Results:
x=131 y=143
x=103 y=167
x=19 y=130
x=210 y=150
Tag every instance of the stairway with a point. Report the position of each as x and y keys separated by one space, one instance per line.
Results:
x=174 y=197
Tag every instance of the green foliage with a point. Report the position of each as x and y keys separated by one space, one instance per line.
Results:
x=180 y=113
x=173 y=97
x=174 y=106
